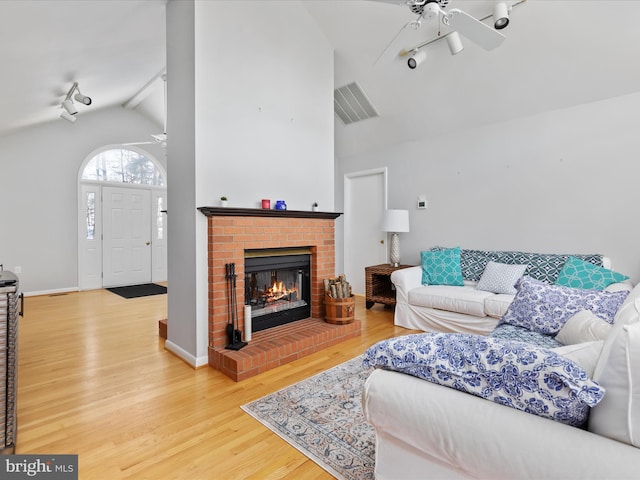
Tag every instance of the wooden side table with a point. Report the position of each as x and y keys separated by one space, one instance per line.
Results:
x=379 y=288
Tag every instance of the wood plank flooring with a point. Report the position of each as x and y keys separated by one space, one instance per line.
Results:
x=95 y=380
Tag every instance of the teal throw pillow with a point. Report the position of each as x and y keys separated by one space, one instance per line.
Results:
x=577 y=273
x=441 y=267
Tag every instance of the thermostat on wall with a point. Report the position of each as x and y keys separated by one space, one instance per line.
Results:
x=422 y=201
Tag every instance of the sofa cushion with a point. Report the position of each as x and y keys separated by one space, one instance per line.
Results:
x=515 y=374
x=496 y=306
x=584 y=326
x=577 y=273
x=500 y=277
x=441 y=267
x=545 y=308
x=619 y=417
x=465 y=299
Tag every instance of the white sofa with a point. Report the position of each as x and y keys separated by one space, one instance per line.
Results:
x=461 y=309
x=424 y=430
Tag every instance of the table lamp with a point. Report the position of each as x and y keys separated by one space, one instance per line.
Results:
x=395 y=221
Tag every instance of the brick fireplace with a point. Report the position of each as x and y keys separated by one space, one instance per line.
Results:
x=234 y=231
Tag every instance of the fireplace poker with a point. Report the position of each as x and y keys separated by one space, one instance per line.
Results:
x=229 y=329
x=235 y=342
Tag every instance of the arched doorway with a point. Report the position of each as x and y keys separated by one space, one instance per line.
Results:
x=121 y=218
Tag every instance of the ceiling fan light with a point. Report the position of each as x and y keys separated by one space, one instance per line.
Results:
x=68 y=117
x=416 y=59
x=454 y=43
x=500 y=15
x=69 y=107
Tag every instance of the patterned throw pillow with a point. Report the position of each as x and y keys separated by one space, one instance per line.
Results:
x=545 y=308
x=534 y=380
x=441 y=267
x=541 y=266
x=500 y=278
x=577 y=273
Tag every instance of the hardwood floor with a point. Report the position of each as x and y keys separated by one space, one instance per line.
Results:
x=95 y=380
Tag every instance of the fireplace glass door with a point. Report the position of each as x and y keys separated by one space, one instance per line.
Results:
x=278 y=289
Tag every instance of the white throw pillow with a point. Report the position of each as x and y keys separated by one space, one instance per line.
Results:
x=584 y=354
x=500 y=277
x=584 y=326
x=618 y=414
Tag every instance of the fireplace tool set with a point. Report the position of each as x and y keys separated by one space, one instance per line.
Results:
x=233 y=333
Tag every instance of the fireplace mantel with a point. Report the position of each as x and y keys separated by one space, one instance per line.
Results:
x=263 y=212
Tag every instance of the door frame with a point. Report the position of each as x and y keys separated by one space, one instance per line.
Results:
x=90 y=276
x=348 y=207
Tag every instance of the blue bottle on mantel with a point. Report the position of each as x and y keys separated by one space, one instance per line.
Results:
x=281 y=205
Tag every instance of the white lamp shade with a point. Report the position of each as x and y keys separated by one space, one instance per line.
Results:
x=395 y=221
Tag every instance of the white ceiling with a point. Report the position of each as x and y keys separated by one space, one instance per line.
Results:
x=558 y=53
x=112 y=48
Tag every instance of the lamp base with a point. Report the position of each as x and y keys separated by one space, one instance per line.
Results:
x=394 y=252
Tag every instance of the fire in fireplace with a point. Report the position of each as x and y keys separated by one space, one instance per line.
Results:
x=277 y=287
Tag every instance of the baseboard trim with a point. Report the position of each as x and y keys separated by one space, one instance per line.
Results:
x=191 y=360
x=55 y=291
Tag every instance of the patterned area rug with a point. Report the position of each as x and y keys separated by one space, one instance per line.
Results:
x=322 y=417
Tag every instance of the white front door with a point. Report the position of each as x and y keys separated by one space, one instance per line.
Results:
x=365 y=199
x=127 y=236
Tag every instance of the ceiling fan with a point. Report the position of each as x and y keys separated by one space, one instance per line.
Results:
x=457 y=20
x=158 y=138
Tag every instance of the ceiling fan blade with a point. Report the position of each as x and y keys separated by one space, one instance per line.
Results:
x=392 y=49
x=472 y=28
x=139 y=143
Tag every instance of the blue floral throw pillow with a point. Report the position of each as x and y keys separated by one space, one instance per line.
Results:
x=545 y=308
x=528 y=378
x=441 y=267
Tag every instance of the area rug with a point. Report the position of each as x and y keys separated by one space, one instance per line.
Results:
x=135 y=291
x=322 y=417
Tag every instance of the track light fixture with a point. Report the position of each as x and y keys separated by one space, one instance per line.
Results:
x=416 y=59
x=69 y=109
x=454 y=43
x=500 y=15
x=68 y=117
x=69 y=106
x=82 y=98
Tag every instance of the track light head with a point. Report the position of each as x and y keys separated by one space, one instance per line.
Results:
x=500 y=15
x=416 y=59
x=69 y=107
x=454 y=43
x=82 y=98
x=68 y=117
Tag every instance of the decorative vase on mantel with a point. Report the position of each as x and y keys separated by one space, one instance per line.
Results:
x=223 y=201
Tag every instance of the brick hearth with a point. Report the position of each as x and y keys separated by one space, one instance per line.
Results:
x=231 y=232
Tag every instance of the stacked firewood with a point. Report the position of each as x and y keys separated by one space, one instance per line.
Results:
x=337 y=287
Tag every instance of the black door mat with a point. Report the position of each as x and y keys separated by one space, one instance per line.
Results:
x=135 y=291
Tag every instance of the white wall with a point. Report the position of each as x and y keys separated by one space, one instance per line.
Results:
x=250 y=87
x=39 y=190
x=564 y=181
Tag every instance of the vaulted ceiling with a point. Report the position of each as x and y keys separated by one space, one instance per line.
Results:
x=557 y=54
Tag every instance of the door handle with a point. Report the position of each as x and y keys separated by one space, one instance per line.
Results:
x=148 y=243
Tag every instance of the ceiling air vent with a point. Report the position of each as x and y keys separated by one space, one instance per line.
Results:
x=351 y=104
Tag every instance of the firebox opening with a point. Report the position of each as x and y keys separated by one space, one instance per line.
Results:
x=277 y=287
